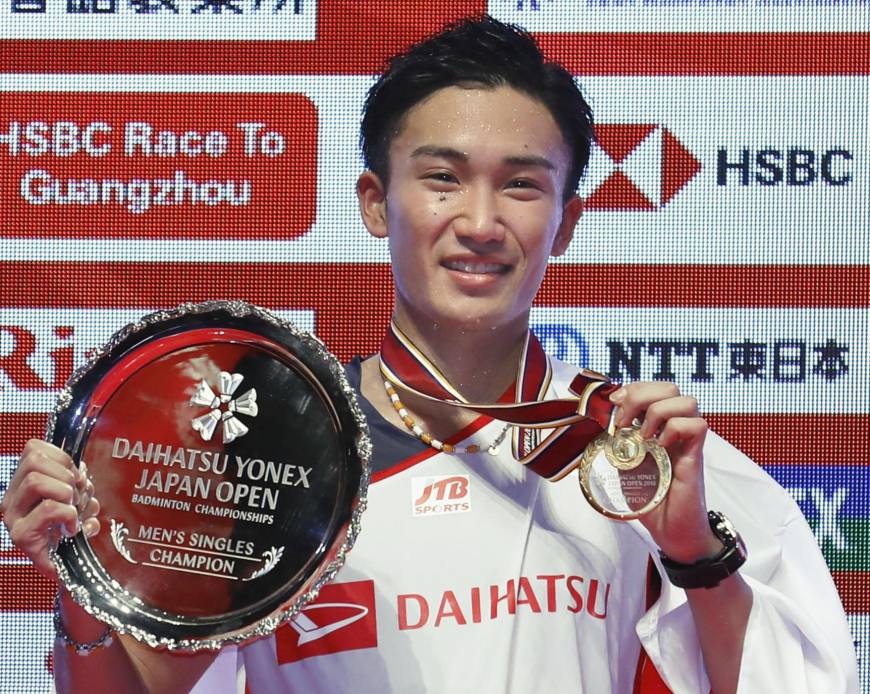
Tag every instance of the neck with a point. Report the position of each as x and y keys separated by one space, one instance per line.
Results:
x=480 y=362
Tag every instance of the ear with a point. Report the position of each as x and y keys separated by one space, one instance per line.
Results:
x=571 y=213
x=372 y=197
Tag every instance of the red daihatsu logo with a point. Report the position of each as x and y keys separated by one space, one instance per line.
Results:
x=342 y=618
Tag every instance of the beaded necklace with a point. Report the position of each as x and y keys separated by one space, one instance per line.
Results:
x=430 y=440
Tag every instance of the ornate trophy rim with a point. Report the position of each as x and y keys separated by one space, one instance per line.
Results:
x=335 y=553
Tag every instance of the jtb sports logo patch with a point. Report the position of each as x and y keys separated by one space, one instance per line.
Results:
x=440 y=494
x=342 y=618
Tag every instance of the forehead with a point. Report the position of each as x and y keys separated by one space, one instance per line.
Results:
x=482 y=122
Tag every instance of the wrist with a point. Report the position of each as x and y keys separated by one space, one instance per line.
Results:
x=710 y=570
x=76 y=629
x=701 y=548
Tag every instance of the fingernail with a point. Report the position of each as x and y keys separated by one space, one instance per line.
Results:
x=67 y=533
x=618 y=396
x=90 y=529
x=617 y=417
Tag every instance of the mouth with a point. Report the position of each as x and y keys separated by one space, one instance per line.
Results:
x=476 y=267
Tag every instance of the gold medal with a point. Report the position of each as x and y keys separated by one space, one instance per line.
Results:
x=623 y=475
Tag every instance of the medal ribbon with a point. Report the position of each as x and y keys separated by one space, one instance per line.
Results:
x=574 y=421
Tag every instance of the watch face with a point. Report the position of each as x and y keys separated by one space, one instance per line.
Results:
x=723 y=528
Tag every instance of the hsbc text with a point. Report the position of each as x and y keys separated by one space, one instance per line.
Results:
x=791 y=167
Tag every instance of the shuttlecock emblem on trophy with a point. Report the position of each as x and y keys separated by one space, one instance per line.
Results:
x=223 y=407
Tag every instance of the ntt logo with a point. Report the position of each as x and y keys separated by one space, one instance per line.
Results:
x=636 y=167
x=564 y=342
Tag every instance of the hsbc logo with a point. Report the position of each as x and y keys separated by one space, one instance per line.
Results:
x=440 y=494
x=636 y=167
x=342 y=618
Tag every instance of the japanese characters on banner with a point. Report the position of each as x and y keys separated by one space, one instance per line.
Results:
x=209 y=149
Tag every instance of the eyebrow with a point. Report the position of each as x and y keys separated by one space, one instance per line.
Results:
x=531 y=160
x=436 y=151
x=456 y=155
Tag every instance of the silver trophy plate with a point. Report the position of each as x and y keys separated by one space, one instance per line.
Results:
x=231 y=462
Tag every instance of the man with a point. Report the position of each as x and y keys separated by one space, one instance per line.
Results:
x=475 y=147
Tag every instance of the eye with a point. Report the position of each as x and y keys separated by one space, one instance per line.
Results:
x=441 y=177
x=524 y=189
x=523 y=183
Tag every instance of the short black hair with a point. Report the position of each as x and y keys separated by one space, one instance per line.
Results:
x=477 y=52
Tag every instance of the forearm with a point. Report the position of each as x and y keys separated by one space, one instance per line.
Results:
x=721 y=615
x=124 y=665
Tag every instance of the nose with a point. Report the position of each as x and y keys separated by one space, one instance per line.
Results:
x=479 y=219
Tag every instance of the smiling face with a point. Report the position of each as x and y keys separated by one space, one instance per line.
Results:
x=474 y=207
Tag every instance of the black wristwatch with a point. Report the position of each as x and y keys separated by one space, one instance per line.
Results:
x=709 y=572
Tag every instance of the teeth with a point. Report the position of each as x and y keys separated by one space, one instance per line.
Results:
x=475 y=268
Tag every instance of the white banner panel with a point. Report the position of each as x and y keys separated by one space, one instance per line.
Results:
x=249 y=20
x=696 y=170
x=732 y=360
x=27 y=639
x=567 y=16
x=860 y=624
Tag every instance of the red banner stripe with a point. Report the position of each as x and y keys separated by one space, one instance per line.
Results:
x=693 y=286
x=854 y=588
x=711 y=54
x=782 y=439
x=335 y=52
x=16 y=428
x=24 y=589
x=358 y=296
x=360 y=289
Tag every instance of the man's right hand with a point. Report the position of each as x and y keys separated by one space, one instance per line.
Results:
x=47 y=497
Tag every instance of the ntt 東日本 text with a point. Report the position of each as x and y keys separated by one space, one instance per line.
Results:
x=781 y=361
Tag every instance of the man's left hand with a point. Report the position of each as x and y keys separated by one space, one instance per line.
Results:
x=679 y=525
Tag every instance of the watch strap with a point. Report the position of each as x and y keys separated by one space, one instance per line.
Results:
x=710 y=571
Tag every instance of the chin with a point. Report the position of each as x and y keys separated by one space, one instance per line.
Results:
x=475 y=320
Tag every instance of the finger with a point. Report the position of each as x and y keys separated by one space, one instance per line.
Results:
x=691 y=431
x=659 y=412
x=92 y=509
x=49 y=451
x=42 y=457
x=32 y=533
x=91 y=527
x=639 y=396
x=84 y=497
x=32 y=488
